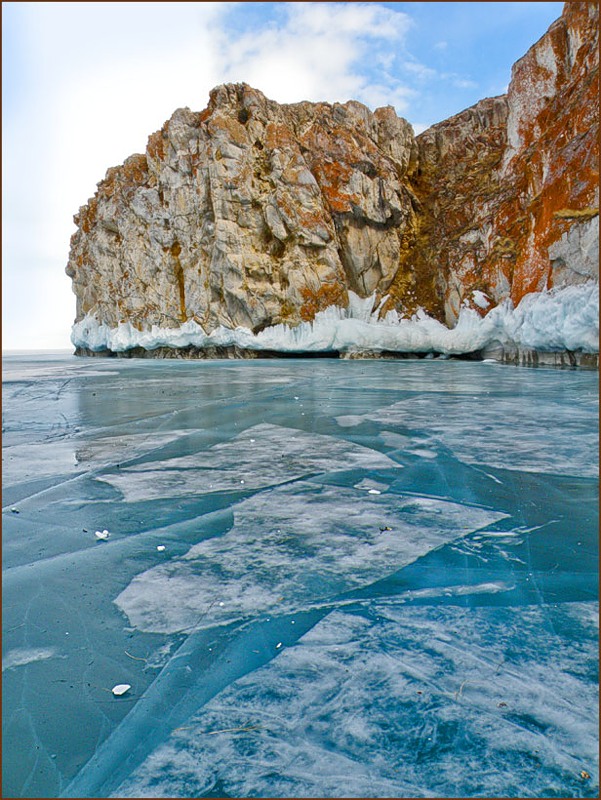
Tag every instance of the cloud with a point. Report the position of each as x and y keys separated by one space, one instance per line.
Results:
x=321 y=51
x=362 y=20
x=377 y=95
x=420 y=70
x=98 y=79
x=419 y=127
x=464 y=83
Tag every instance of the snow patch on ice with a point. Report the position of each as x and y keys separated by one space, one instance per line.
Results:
x=565 y=318
x=372 y=486
x=349 y=420
x=21 y=656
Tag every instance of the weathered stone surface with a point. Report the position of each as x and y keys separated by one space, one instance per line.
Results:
x=252 y=213
x=249 y=213
x=509 y=188
x=536 y=358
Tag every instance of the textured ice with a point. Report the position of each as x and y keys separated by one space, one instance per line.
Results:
x=566 y=318
x=263 y=455
x=290 y=548
x=554 y=433
x=37 y=460
x=298 y=635
x=399 y=702
x=474 y=440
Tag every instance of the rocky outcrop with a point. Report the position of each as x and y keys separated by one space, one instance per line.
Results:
x=247 y=214
x=509 y=188
x=252 y=213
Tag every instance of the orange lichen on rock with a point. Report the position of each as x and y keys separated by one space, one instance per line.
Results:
x=156 y=146
x=221 y=124
x=315 y=300
x=502 y=182
x=332 y=177
x=555 y=139
x=87 y=215
x=251 y=212
x=278 y=136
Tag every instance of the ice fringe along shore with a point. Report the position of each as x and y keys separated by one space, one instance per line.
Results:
x=553 y=320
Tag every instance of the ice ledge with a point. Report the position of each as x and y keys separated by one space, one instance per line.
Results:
x=557 y=321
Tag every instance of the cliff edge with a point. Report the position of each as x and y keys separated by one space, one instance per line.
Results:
x=260 y=218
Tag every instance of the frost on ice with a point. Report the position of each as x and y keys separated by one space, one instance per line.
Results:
x=413 y=702
x=558 y=319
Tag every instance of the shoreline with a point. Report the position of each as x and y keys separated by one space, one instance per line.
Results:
x=517 y=356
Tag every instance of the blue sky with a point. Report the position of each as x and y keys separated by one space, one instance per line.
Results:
x=84 y=84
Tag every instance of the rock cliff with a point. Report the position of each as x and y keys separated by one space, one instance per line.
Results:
x=509 y=188
x=247 y=214
x=251 y=213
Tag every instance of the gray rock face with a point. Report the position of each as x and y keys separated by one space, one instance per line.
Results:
x=575 y=257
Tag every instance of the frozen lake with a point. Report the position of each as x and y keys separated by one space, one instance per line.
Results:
x=322 y=578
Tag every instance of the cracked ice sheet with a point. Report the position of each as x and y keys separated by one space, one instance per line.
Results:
x=261 y=456
x=401 y=702
x=292 y=547
x=547 y=434
x=24 y=462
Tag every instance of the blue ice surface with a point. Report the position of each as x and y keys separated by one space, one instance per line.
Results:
x=379 y=579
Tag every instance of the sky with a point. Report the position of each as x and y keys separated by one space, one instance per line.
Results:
x=85 y=84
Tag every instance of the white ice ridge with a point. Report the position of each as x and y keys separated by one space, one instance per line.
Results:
x=557 y=319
